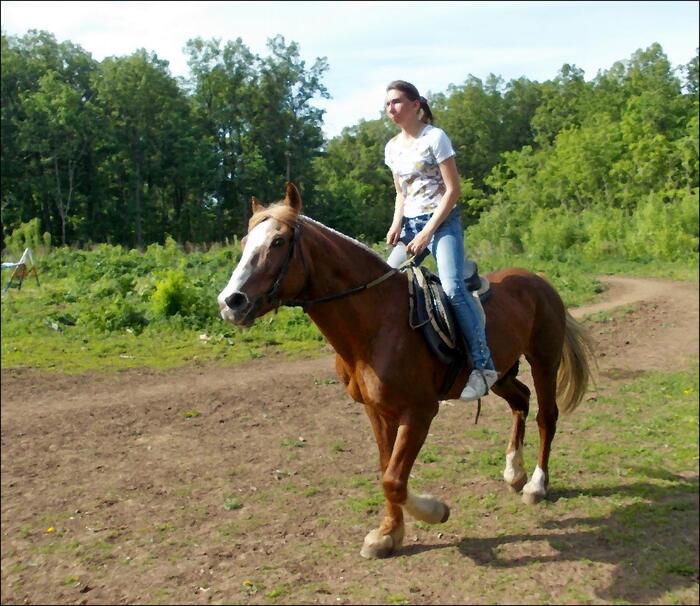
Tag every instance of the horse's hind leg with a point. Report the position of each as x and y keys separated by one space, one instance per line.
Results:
x=518 y=397
x=545 y=379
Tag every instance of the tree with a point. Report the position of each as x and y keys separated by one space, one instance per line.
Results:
x=45 y=122
x=59 y=120
x=259 y=115
x=354 y=189
x=223 y=85
x=139 y=100
x=562 y=103
x=286 y=126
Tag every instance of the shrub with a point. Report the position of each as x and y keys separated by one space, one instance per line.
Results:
x=117 y=315
x=27 y=236
x=552 y=233
x=173 y=295
x=664 y=227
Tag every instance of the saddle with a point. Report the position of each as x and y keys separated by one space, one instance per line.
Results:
x=431 y=311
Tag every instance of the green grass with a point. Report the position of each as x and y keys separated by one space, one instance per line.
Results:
x=111 y=309
x=231 y=504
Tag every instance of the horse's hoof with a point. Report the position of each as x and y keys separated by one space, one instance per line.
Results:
x=532 y=498
x=379 y=545
x=426 y=508
x=446 y=515
x=517 y=484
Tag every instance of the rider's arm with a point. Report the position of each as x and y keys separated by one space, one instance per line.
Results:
x=392 y=236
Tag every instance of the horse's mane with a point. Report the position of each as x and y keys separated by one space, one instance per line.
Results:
x=285 y=214
x=343 y=236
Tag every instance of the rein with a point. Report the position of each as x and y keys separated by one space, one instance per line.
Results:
x=271 y=294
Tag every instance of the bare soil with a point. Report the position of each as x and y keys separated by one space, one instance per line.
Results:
x=231 y=485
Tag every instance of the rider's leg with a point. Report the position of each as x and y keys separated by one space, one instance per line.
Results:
x=409 y=230
x=448 y=248
x=398 y=255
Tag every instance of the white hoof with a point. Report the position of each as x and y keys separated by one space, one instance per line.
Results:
x=514 y=474
x=379 y=545
x=426 y=508
x=536 y=489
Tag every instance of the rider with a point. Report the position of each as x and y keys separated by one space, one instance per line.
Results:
x=427 y=218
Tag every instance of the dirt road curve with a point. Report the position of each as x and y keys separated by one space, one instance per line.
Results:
x=660 y=335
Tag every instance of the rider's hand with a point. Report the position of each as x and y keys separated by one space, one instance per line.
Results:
x=419 y=243
x=393 y=235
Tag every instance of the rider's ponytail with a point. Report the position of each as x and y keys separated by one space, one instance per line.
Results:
x=425 y=114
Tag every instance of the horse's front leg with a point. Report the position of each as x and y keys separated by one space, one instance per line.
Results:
x=382 y=541
x=399 y=447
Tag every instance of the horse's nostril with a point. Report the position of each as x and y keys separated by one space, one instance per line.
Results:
x=236 y=300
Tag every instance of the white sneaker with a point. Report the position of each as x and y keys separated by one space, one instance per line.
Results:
x=478 y=384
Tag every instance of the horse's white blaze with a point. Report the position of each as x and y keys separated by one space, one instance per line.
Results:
x=425 y=508
x=514 y=465
x=256 y=240
x=536 y=485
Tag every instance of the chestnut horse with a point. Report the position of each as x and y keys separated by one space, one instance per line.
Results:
x=361 y=306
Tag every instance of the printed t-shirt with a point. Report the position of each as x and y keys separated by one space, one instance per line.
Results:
x=417 y=167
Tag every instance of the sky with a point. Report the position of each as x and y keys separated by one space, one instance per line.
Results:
x=368 y=44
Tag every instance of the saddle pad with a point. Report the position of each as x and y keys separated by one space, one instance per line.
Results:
x=431 y=311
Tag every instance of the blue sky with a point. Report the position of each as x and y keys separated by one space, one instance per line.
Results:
x=367 y=44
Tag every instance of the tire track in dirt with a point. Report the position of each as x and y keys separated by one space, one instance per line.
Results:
x=660 y=333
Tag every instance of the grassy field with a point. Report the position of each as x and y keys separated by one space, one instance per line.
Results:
x=110 y=309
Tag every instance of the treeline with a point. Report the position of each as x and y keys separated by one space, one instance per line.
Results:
x=119 y=151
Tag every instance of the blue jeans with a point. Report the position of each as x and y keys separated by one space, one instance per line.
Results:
x=447 y=246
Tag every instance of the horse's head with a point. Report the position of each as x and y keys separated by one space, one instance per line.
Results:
x=267 y=254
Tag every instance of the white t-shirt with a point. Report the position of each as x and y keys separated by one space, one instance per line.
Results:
x=417 y=167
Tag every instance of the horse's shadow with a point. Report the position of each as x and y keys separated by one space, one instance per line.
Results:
x=653 y=543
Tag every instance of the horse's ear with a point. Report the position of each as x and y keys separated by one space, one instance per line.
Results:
x=256 y=205
x=292 y=197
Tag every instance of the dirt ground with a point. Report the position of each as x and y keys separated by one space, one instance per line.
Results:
x=138 y=487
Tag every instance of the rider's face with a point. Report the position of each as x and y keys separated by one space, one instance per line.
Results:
x=400 y=108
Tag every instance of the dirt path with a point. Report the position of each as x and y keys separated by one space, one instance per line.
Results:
x=661 y=333
x=114 y=464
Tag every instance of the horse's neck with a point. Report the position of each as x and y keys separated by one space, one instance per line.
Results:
x=339 y=264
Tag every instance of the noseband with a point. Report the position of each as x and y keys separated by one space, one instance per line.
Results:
x=271 y=294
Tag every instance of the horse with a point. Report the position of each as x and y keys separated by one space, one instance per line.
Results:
x=361 y=306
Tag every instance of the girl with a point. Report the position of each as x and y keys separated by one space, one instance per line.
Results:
x=427 y=219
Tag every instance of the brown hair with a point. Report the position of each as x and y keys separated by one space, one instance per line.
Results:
x=413 y=95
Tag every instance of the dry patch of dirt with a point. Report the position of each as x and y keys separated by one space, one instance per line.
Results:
x=248 y=484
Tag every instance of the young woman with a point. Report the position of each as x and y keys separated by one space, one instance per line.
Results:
x=427 y=219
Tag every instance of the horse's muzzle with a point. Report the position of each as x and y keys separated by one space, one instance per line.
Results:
x=237 y=308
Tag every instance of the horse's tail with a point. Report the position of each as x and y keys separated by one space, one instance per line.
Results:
x=574 y=370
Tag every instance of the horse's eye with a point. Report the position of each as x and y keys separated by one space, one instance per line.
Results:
x=277 y=242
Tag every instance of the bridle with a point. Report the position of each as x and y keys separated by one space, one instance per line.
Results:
x=271 y=294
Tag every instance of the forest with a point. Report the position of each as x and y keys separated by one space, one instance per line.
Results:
x=121 y=152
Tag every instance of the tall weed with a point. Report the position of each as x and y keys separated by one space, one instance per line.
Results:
x=27 y=236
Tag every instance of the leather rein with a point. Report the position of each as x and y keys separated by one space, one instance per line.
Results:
x=271 y=294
